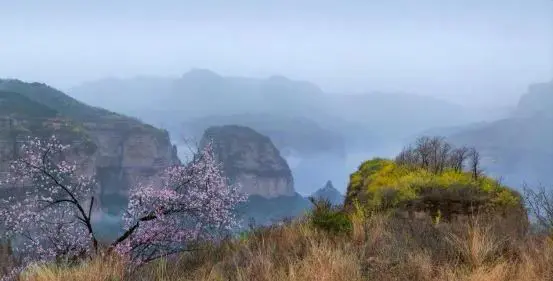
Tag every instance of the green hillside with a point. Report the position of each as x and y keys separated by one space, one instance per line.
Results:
x=67 y=107
x=18 y=105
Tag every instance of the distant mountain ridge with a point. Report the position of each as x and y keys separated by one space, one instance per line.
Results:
x=315 y=130
x=200 y=93
x=537 y=101
x=519 y=148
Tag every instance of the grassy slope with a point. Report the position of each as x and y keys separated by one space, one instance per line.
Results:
x=379 y=249
x=12 y=103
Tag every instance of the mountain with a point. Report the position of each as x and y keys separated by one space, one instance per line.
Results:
x=252 y=161
x=518 y=148
x=294 y=135
x=310 y=127
x=120 y=150
x=328 y=192
x=309 y=149
x=538 y=101
x=200 y=93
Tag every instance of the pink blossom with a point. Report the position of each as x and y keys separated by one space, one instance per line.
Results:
x=42 y=212
x=49 y=211
x=193 y=203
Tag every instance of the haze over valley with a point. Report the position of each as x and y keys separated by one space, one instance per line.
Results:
x=276 y=140
x=320 y=134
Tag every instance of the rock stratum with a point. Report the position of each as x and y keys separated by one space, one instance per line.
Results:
x=120 y=150
x=251 y=160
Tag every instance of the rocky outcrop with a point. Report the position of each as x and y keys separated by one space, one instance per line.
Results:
x=328 y=192
x=251 y=160
x=119 y=150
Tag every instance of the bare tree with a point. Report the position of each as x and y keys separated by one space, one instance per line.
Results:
x=424 y=151
x=434 y=154
x=408 y=157
x=457 y=158
x=539 y=202
x=474 y=157
x=442 y=156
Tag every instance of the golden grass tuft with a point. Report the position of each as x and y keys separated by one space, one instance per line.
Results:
x=101 y=269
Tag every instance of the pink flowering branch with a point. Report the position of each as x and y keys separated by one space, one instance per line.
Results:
x=50 y=209
x=46 y=210
x=193 y=202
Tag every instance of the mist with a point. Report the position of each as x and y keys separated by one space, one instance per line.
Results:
x=296 y=98
x=477 y=53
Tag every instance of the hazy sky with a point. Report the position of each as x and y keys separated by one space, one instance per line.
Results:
x=464 y=50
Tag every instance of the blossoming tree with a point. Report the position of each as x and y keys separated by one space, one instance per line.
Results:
x=49 y=210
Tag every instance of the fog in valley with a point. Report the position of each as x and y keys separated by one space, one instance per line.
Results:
x=332 y=83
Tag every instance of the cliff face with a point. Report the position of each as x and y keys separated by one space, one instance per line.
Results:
x=127 y=154
x=118 y=149
x=251 y=160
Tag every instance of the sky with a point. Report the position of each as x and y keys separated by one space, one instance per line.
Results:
x=474 y=52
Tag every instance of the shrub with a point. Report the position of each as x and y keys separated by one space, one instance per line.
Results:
x=329 y=218
x=425 y=180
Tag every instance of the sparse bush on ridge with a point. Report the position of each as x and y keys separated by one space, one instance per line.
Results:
x=433 y=178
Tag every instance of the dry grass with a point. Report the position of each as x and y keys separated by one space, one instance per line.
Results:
x=379 y=248
x=108 y=269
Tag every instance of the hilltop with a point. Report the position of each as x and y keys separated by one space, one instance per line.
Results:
x=119 y=149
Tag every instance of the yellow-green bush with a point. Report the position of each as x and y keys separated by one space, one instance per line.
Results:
x=381 y=184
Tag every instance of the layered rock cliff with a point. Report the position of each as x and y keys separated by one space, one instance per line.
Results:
x=251 y=160
x=118 y=149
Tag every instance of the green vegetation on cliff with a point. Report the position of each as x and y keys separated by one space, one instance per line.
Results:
x=379 y=177
x=18 y=105
x=407 y=184
x=41 y=101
